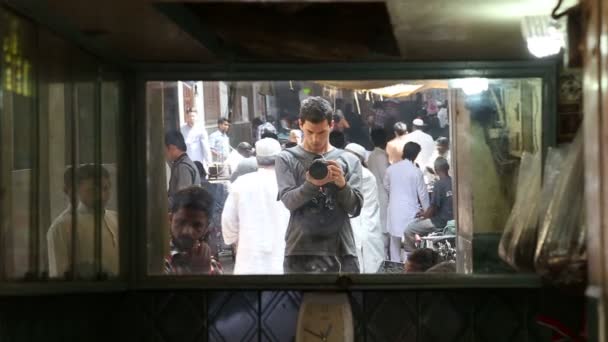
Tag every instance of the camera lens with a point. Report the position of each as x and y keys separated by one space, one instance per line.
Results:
x=318 y=169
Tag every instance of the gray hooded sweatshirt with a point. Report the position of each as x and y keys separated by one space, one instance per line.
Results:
x=320 y=217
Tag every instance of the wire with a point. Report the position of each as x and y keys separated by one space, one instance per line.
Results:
x=556 y=15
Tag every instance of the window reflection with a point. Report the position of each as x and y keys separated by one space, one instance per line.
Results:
x=338 y=176
x=58 y=139
x=17 y=114
x=62 y=235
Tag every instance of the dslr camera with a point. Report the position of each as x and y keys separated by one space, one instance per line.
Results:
x=318 y=169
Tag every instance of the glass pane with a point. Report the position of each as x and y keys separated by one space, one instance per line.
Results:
x=392 y=142
x=91 y=250
x=17 y=109
x=55 y=144
x=505 y=123
x=111 y=97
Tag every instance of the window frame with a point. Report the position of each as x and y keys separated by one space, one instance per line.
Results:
x=546 y=70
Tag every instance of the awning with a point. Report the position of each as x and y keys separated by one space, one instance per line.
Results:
x=390 y=88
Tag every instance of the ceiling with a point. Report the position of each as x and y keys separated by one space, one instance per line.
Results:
x=214 y=31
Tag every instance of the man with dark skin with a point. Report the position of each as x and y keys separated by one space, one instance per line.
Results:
x=189 y=217
x=440 y=210
x=183 y=171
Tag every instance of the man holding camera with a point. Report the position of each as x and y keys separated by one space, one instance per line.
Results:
x=320 y=186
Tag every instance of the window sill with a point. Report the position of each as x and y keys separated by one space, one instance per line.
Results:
x=352 y=282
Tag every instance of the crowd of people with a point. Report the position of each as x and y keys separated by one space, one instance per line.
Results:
x=318 y=202
x=314 y=203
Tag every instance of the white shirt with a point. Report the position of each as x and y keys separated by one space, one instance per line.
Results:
x=233 y=159
x=427 y=146
x=197 y=142
x=404 y=183
x=377 y=163
x=366 y=227
x=442 y=116
x=255 y=220
x=59 y=239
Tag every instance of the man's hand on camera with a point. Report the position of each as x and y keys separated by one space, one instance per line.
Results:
x=335 y=174
x=317 y=182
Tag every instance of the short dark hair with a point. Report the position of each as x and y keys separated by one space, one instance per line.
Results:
x=222 y=120
x=68 y=174
x=270 y=118
x=379 y=137
x=269 y=134
x=443 y=267
x=175 y=138
x=316 y=109
x=89 y=171
x=244 y=148
x=411 y=151
x=193 y=198
x=443 y=141
x=422 y=259
x=441 y=164
x=337 y=139
x=257 y=121
x=400 y=128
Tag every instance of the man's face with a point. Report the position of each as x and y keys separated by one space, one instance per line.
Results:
x=370 y=120
x=170 y=152
x=442 y=149
x=223 y=127
x=316 y=135
x=187 y=227
x=191 y=118
x=88 y=195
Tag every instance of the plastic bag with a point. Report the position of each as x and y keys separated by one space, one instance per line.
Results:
x=561 y=256
x=518 y=243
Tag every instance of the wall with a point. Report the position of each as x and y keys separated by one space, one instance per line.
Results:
x=491 y=315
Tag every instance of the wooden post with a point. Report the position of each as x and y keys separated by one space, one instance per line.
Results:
x=460 y=136
x=595 y=127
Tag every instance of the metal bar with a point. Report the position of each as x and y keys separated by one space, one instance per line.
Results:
x=344 y=71
x=4 y=181
x=75 y=161
x=36 y=174
x=99 y=211
x=5 y=175
x=7 y=167
x=138 y=126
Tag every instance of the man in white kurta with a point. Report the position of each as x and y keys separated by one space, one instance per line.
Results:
x=377 y=163
x=59 y=236
x=197 y=140
x=407 y=195
x=254 y=219
x=366 y=226
x=427 y=145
